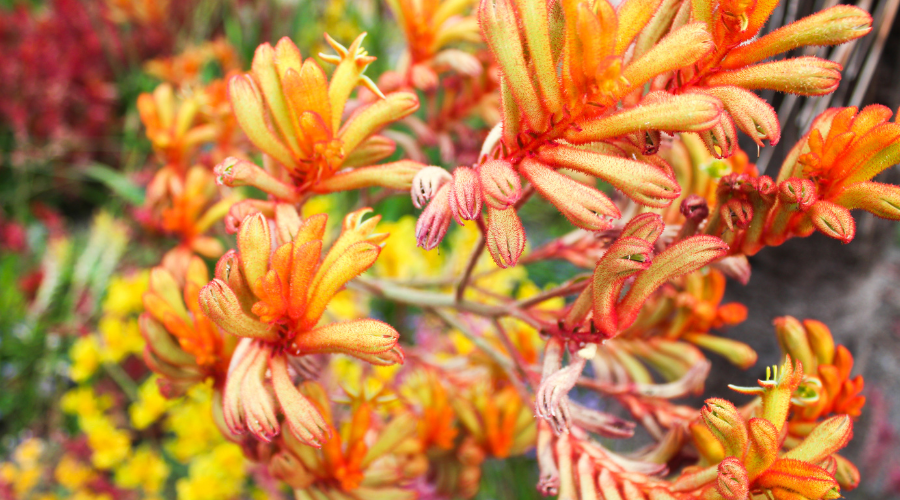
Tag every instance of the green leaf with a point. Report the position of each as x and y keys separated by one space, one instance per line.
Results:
x=116 y=182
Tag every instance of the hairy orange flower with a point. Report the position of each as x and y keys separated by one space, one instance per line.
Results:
x=290 y=111
x=186 y=67
x=172 y=126
x=369 y=457
x=432 y=28
x=272 y=292
x=423 y=389
x=734 y=68
x=828 y=369
x=753 y=447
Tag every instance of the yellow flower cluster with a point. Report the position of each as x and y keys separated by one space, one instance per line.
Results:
x=117 y=460
x=24 y=471
x=118 y=334
x=215 y=475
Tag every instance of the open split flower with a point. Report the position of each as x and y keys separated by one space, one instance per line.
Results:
x=368 y=458
x=735 y=68
x=290 y=111
x=187 y=207
x=752 y=447
x=827 y=174
x=272 y=292
x=172 y=127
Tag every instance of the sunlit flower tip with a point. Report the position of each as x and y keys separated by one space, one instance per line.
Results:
x=833 y=26
x=833 y=220
x=880 y=199
x=732 y=482
x=426 y=183
x=683 y=257
x=234 y=172
x=368 y=120
x=435 y=219
x=371 y=151
x=738 y=353
x=500 y=184
x=809 y=76
x=826 y=439
x=359 y=337
x=820 y=340
x=691 y=112
x=737 y=213
x=584 y=206
x=788 y=478
x=726 y=423
x=800 y=192
x=505 y=236
x=752 y=115
x=794 y=341
x=351 y=63
x=397 y=175
x=647 y=226
x=643 y=183
x=465 y=195
x=250 y=112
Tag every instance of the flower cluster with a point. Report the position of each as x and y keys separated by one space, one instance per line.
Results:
x=293 y=335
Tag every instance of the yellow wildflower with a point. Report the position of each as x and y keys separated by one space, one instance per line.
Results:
x=26 y=479
x=121 y=337
x=110 y=445
x=85 y=355
x=90 y=495
x=528 y=289
x=150 y=406
x=400 y=257
x=144 y=469
x=72 y=473
x=28 y=452
x=217 y=475
x=191 y=422
x=84 y=402
x=8 y=471
x=124 y=294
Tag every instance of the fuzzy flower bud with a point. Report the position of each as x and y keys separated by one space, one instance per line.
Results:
x=435 y=219
x=727 y=425
x=465 y=195
x=426 y=183
x=500 y=183
x=732 y=482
